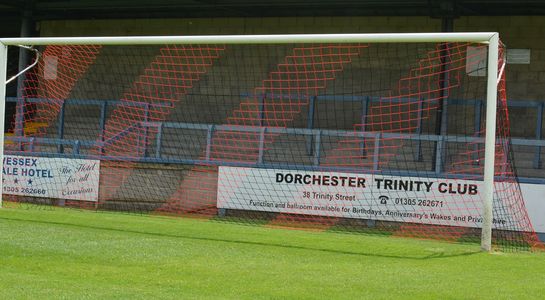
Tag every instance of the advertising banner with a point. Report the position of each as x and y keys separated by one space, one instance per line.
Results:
x=439 y=201
x=63 y=178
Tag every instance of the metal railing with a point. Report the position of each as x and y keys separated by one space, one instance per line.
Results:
x=365 y=101
x=313 y=135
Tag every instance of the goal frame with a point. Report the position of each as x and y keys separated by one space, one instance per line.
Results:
x=489 y=38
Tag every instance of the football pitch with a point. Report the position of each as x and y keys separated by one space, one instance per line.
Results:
x=62 y=253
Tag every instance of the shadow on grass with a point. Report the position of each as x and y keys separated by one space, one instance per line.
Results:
x=435 y=255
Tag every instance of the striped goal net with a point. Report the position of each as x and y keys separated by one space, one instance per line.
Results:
x=406 y=135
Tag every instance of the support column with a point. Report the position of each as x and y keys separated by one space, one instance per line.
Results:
x=441 y=119
x=26 y=31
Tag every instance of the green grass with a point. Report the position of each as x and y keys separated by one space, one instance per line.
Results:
x=57 y=253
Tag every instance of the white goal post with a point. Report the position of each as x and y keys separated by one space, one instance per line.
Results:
x=490 y=38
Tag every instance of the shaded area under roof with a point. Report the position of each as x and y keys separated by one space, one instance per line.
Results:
x=94 y=9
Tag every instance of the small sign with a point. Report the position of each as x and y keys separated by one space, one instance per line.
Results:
x=518 y=56
x=476 y=61
x=50 y=67
x=63 y=178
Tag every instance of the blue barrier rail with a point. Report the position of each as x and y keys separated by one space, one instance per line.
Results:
x=313 y=136
x=260 y=163
x=478 y=105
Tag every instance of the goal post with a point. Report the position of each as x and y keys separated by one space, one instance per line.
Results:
x=360 y=139
x=3 y=77
x=490 y=141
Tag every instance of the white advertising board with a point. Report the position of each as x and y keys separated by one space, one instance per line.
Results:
x=63 y=178
x=534 y=199
x=362 y=196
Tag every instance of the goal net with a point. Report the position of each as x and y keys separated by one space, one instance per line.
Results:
x=386 y=133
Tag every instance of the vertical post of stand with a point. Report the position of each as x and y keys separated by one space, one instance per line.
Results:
x=145 y=138
x=418 y=154
x=310 y=122
x=478 y=109
x=490 y=142
x=537 y=157
x=261 y=145
x=364 y=112
x=102 y=124
x=3 y=70
x=60 y=129
x=262 y=110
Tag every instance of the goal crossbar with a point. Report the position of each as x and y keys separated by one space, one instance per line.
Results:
x=477 y=37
